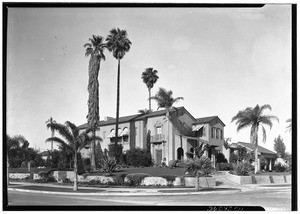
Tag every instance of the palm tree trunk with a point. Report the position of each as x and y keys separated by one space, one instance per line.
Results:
x=7 y=168
x=75 y=172
x=168 y=130
x=149 y=99
x=93 y=102
x=117 y=113
x=255 y=151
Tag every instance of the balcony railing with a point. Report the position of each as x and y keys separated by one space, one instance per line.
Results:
x=157 y=138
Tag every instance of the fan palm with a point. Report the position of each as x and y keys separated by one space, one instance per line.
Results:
x=254 y=118
x=149 y=77
x=94 y=50
x=165 y=100
x=118 y=44
x=72 y=140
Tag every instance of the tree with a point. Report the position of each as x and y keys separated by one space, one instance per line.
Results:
x=279 y=147
x=118 y=44
x=254 y=118
x=165 y=100
x=52 y=131
x=149 y=77
x=94 y=50
x=72 y=140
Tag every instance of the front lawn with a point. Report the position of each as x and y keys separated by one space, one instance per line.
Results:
x=25 y=170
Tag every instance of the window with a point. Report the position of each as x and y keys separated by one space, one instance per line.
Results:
x=104 y=133
x=158 y=130
x=203 y=131
x=213 y=132
x=217 y=133
x=221 y=134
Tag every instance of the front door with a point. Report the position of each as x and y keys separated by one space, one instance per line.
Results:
x=158 y=156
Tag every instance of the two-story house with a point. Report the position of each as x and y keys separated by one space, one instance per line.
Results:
x=171 y=138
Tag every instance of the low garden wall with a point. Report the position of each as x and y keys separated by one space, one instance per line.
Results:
x=148 y=181
x=259 y=179
x=19 y=175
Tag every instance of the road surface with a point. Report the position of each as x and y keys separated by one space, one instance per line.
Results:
x=271 y=199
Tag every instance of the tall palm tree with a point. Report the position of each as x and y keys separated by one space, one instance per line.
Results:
x=165 y=100
x=118 y=44
x=52 y=131
x=149 y=77
x=94 y=50
x=72 y=140
x=254 y=118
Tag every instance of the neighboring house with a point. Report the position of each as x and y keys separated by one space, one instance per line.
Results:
x=45 y=155
x=266 y=153
x=185 y=133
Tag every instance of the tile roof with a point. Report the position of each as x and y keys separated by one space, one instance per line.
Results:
x=260 y=148
x=126 y=119
x=203 y=120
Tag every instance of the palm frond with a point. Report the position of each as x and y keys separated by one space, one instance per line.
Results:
x=61 y=142
x=62 y=130
x=264 y=134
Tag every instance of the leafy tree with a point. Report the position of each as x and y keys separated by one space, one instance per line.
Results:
x=118 y=44
x=254 y=118
x=149 y=77
x=94 y=50
x=221 y=158
x=165 y=100
x=279 y=147
x=116 y=152
x=73 y=140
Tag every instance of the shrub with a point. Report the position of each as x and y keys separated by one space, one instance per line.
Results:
x=138 y=157
x=224 y=166
x=180 y=164
x=233 y=158
x=263 y=163
x=119 y=179
x=221 y=158
x=242 y=169
x=109 y=164
x=169 y=178
x=280 y=167
x=135 y=179
x=173 y=163
x=201 y=165
x=115 y=151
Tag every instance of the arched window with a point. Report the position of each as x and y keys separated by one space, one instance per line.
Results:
x=179 y=153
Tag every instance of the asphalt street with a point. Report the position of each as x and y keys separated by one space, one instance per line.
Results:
x=271 y=199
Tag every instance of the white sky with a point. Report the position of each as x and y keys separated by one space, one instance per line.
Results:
x=220 y=60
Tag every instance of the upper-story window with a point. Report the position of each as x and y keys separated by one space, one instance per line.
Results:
x=221 y=134
x=203 y=131
x=158 y=130
x=217 y=133
x=104 y=133
x=213 y=132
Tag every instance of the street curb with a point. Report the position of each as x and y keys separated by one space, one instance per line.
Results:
x=122 y=194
